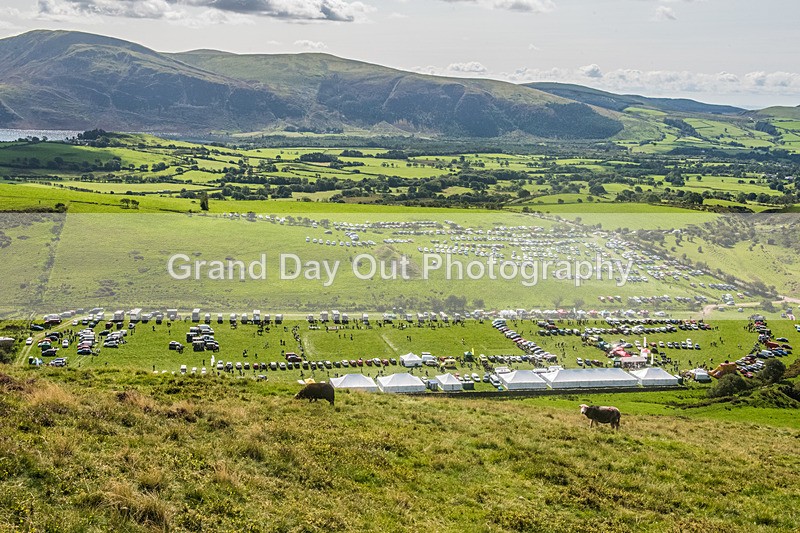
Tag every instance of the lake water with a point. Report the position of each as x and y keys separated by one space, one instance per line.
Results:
x=55 y=135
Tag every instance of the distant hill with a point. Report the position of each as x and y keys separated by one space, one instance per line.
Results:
x=74 y=80
x=780 y=112
x=58 y=79
x=619 y=102
x=364 y=94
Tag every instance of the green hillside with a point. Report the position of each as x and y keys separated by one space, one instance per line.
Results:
x=105 y=450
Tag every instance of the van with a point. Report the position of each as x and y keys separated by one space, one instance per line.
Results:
x=428 y=359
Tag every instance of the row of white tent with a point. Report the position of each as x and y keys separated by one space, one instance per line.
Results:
x=589 y=378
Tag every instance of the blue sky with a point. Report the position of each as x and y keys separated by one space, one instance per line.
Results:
x=739 y=52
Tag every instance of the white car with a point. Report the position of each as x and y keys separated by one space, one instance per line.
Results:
x=29 y=341
x=65 y=343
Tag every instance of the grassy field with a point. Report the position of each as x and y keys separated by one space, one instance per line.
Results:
x=121 y=261
x=99 y=450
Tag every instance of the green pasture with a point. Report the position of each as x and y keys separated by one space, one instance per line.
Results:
x=122 y=188
x=46 y=152
x=122 y=260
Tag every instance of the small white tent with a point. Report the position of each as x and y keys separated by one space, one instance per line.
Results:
x=410 y=360
x=448 y=382
x=590 y=378
x=355 y=382
x=654 y=377
x=522 y=380
x=400 y=383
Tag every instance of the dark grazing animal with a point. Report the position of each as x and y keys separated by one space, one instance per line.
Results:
x=601 y=415
x=316 y=391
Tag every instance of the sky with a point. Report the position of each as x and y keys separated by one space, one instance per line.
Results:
x=738 y=52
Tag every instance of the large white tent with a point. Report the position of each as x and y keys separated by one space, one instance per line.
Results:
x=522 y=380
x=410 y=360
x=400 y=383
x=355 y=382
x=589 y=378
x=654 y=377
x=448 y=382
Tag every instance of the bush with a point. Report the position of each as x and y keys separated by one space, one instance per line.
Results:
x=773 y=371
x=728 y=385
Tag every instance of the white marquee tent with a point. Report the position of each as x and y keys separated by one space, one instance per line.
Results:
x=410 y=360
x=589 y=378
x=654 y=377
x=355 y=382
x=701 y=375
x=448 y=382
x=400 y=383
x=522 y=380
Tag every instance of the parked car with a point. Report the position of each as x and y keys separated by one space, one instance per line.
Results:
x=29 y=341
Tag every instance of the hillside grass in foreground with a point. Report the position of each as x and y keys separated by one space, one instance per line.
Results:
x=102 y=450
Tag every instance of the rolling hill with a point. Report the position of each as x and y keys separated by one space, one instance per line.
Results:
x=61 y=79
x=77 y=80
x=619 y=102
x=74 y=80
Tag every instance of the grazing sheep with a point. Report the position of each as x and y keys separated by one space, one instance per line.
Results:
x=601 y=415
x=316 y=391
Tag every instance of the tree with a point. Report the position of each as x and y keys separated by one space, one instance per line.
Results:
x=773 y=371
x=204 y=201
x=523 y=193
x=597 y=190
x=728 y=385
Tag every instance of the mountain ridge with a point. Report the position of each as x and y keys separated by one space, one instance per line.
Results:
x=76 y=80
x=618 y=102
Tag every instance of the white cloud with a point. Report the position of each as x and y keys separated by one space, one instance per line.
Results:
x=666 y=82
x=292 y=10
x=534 y=47
x=471 y=67
x=79 y=9
x=591 y=71
x=526 y=6
x=311 y=45
x=665 y=13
